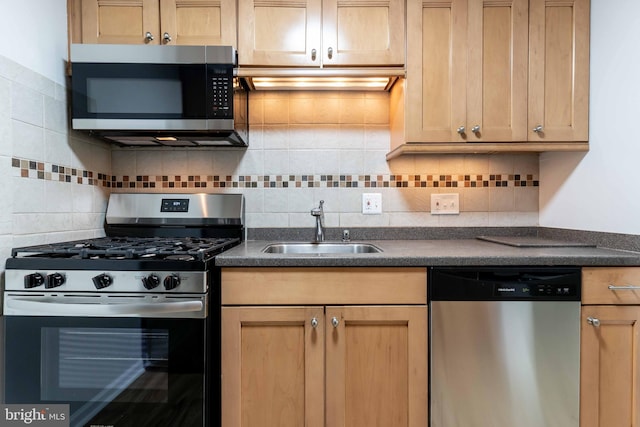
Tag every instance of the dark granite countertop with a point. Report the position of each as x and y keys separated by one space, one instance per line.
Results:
x=445 y=252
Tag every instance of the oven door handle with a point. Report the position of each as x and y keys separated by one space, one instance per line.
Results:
x=16 y=306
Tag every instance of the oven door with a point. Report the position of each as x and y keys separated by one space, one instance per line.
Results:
x=114 y=369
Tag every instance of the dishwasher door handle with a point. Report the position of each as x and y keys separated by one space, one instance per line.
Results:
x=624 y=288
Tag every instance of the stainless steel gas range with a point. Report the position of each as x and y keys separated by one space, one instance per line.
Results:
x=124 y=329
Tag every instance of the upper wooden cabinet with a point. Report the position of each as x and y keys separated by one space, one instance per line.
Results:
x=315 y=33
x=182 y=22
x=490 y=72
x=559 y=70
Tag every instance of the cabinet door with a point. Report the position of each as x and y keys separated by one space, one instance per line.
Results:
x=199 y=22
x=558 y=70
x=120 y=22
x=272 y=367
x=376 y=366
x=435 y=90
x=363 y=32
x=610 y=367
x=497 y=73
x=279 y=32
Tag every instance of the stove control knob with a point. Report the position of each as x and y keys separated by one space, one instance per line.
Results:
x=151 y=281
x=171 y=282
x=54 y=280
x=33 y=280
x=102 y=281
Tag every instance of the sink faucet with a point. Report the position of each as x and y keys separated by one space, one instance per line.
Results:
x=319 y=214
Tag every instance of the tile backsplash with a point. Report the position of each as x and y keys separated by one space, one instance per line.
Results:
x=303 y=147
x=45 y=194
x=331 y=146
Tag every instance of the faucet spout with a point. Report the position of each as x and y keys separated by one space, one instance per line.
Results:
x=319 y=214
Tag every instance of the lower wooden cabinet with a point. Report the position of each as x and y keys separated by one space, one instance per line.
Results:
x=325 y=365
x=610 y=348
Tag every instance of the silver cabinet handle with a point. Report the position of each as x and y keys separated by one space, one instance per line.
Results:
x=475 y=129
x=314 y=322
x=168 y=309
x=166 y=37
x=335 y=322
x=461 y=130
x=593 y=321
x=623 y=288
x=538 y=129
x=148 y=37
x=330 y=53
x=313 y=54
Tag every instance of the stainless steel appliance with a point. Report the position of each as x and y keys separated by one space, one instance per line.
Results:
x=125 y=329
x=159 y=95
x=505 y=347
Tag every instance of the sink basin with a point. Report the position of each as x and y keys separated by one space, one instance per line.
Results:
x=321 y=248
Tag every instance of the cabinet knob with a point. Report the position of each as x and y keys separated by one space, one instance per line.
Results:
x=475 y=129
x=166 y=37
x=330 y=53
x=314 y=322
x=313 y=54
x=335 y=322
x=538 y=129
x=148 y=37
x=462 y=130
x=593 y=321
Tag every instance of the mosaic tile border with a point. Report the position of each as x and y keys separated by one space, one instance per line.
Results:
x=52 y=172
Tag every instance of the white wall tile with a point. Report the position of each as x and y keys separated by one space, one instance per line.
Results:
x=6 y=146
x=274 y=137
x=225 y=162
x=124 y=162
x=27 y=105
x=200 y=162
x=28 y=140
x=28 y=195
x=55 y=114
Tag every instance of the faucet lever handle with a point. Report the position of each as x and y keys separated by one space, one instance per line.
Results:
x=318 y=211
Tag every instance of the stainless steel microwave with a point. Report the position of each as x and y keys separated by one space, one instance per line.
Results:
x=138 y=95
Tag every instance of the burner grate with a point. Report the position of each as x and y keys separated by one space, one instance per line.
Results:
x=184 y=248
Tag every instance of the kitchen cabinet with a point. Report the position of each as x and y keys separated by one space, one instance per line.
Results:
x=182 y=22
x=321 y=33
x=487 y=76
x=610 y=347
x=558 y=70
x=324 y=346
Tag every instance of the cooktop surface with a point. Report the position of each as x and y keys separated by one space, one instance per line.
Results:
x=533 y=242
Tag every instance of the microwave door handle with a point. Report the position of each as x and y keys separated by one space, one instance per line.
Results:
x=23 y=307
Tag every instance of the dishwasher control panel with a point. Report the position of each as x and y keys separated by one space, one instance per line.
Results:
x=523 y=290
x=504 y=283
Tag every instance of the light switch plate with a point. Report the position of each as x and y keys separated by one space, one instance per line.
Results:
x=371 y=203
x=445 y=204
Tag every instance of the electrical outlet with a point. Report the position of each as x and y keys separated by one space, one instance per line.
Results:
x=445 y=204
x=371 y=203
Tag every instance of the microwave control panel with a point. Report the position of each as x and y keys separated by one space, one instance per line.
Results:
x=221 y=99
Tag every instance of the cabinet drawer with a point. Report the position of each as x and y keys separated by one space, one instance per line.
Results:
x=611 y=285
x=324 y=286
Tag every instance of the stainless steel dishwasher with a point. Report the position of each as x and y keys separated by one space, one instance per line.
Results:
x=505 y=347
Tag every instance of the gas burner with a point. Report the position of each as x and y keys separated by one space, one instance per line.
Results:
x=116 y=248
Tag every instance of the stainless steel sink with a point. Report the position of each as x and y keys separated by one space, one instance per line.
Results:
x=321 y=248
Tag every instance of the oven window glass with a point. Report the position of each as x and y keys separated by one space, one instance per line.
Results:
x=105 y=364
